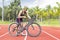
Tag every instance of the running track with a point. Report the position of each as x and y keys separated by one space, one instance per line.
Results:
x=48 y=33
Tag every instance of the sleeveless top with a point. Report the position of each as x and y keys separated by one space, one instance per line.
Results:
x=23 y=13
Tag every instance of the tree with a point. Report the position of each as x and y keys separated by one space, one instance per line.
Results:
x=58 y=12
x=3 y=10
x=0 y=13
x=37 y=12
x=49 y=10
x=13 y=9
x=55 y=12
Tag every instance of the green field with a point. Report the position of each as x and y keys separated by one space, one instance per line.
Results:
x=5 y=22
x=51 y=22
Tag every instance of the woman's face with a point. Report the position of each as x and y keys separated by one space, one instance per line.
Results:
x=25 y=9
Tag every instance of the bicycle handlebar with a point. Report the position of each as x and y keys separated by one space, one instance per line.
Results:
x=32 y=19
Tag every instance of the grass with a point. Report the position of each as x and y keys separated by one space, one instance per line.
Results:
x=4 y=22
x=51 y=22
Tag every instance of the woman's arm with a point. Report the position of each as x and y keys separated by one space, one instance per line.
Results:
x=21 y=16
x=28 y=15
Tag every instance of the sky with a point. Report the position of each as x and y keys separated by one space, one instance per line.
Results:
x=6 y=2
x=33 y=3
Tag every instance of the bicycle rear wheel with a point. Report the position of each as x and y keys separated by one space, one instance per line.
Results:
x=34 y=30
x=13 y=29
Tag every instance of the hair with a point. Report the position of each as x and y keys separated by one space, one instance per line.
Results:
x=25 y=8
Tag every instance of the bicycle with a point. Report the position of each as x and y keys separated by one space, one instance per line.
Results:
x=31 y=27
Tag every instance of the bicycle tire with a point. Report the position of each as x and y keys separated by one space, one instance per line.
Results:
x=32 y=35
x=9 y=30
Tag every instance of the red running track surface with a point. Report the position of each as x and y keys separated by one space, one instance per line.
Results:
x=48 y=33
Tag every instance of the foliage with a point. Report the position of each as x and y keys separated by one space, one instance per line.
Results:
x=0 y=12
x=11 y=11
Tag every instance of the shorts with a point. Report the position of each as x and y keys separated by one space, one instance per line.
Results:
x=19 y=20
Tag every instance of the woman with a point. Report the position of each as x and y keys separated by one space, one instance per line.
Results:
x=23 y=14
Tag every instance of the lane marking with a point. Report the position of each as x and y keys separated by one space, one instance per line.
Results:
x=8 y=32
x=4 y=34
x=51 y=35
x=25 y=36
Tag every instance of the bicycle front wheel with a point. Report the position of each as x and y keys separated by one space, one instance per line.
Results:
x=13 y=29
x=34 y=30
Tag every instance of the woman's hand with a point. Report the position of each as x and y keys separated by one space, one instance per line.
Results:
x=21 y=17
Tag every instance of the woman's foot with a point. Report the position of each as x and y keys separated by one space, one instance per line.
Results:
x=24 y=33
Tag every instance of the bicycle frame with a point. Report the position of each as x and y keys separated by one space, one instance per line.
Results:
x=26 y=26
x=20 y=28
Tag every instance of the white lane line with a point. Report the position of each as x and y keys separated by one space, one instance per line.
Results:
x=51 y=35
x=4 y=34
x=25 y=36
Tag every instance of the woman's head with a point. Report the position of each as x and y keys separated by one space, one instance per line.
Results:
x=25 y=8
